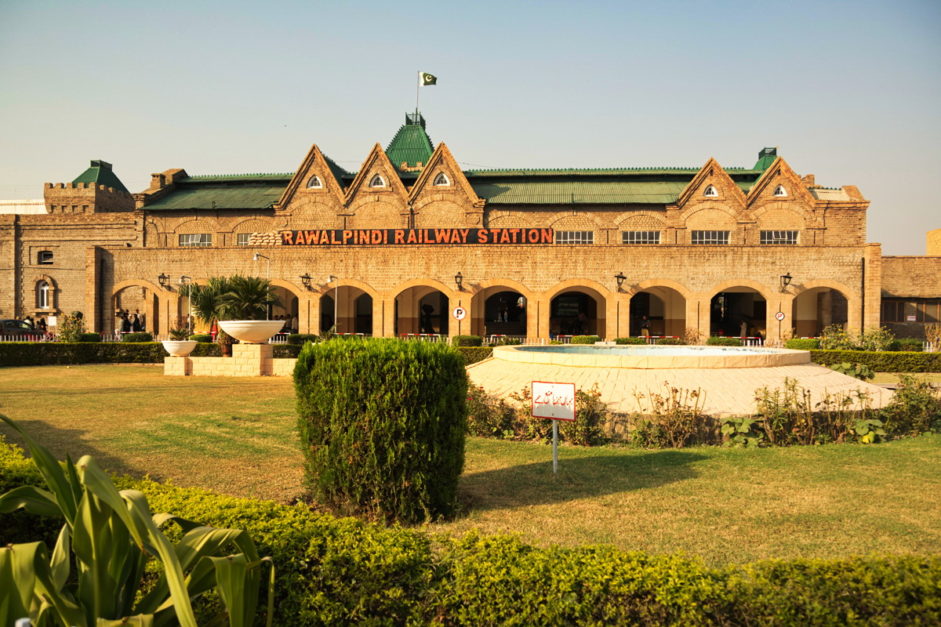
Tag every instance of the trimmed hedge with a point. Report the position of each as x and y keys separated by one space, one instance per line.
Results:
x=467 y=340
x=382 y=426
x=342 y=571
x=473 y=354
x=585 y=339
x=67 y=354
x=200 y=337
x=881 y=361
x=137 y=337
x=671 y=341
x=803 y=344
x=719 y=340
x=299 y=339
x=630 y=340
x=89 y=337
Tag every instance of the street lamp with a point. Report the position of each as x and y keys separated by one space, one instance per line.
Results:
x=620 y=278
x=459 y=281
x=184 y=280
x=785 y=281
x=305 y=280
x=163 y=279
x=256 y=257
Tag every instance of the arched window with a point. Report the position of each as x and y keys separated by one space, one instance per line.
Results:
x=42 y=295
x=441 y=180
x=779 y=191
x=314 y=182
x=377 y=181
x=711 y=192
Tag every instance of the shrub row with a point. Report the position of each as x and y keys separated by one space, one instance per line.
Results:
x=341 y=571
x=881 y=361
x=718 y=340
x=473 y=354
x=66 y=353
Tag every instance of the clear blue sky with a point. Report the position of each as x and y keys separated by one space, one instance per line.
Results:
x=849 y=91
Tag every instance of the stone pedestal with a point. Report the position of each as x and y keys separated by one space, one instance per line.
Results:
x=177 y=366
x=252 y=360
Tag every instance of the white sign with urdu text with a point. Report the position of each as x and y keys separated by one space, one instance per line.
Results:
x=553 y=400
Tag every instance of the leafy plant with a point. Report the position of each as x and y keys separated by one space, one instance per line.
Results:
x=835 y=337
x=671 y=341
x=875 y=339
x=585 y=339
x=71 y=327
x=94 y=573
x=629 y=340
x=489 y=416
x=678 y=412
x=868 y=430
x=179 y=333
x=744 y=431
x=857 y=370
x=717 y=340
x=915 y=408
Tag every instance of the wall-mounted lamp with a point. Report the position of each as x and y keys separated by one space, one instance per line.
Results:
x=785 y=281
x=459 y=281
x=163 y=279
x=620 y=278
x=305 y=280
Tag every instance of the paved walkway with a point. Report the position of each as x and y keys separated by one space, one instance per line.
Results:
x=727 y=391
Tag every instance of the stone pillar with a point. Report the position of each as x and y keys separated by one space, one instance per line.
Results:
x=534 y=329
x=177 y=366
x=252 y=360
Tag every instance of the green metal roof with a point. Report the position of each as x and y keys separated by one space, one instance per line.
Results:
x=100 y=173
x=411 y=145
x=247 y=191
x=765 y=158
x=579 y=192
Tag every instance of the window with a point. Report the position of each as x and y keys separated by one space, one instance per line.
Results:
x=711 y=192
x=640 y=237
x=784 y=238
x=922 y=310
x=314 y=182
x=190 y=240
x=711 y=237
x=779 y=191
x=242 y=239
x=377 y=181
x=574 y=237
x=44 y=257
x=42 y=295
x=441 y=180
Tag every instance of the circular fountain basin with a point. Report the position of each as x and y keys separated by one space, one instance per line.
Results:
x=652 y=357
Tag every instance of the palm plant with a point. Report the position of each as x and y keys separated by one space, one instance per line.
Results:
x=94 y=574
x=247 y=298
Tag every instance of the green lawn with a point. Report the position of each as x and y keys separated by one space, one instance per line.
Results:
x=726 y=505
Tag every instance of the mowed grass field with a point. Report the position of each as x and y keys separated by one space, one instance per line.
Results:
x=237 y=436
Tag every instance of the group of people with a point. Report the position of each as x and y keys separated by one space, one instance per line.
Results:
x=39 y=324
x=127 y=322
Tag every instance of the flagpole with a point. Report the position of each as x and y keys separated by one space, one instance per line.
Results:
x=417 y=91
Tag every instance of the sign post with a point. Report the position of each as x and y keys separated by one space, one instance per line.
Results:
x=459 y=314
x=555 y=401
x=779 y=316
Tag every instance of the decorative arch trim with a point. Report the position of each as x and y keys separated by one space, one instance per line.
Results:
x=575 y=284
x=645 y=286
x=766 y=292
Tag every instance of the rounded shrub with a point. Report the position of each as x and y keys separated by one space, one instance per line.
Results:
x=718 y=340
x=201 y=337
x=912 y=344
x=137 y=337
x=630 y=340
x=467 y=340
x=382 y=425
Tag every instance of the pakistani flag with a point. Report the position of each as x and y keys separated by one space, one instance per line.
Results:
x=427 y=79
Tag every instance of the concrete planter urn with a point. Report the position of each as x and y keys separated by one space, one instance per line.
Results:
x=251 y=331
x=179 y=348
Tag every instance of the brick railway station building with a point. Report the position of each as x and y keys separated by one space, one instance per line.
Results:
x=395 y=247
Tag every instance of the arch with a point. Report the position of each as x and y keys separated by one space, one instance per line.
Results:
x=431 y=283
x=657 y=308
x=569 y=284
x=314 y=182
x=818 y=304
x=45 y=294
x=735 y=311
x=377 y=181
x=137 y=283
x=648 y=216
x=341 y=282
x=652 y=283
x=152 y=301
x=441 y=180
x=490 y=283
x=211 y=224
x=421 y=308
x=766 y=292
x=578 y=316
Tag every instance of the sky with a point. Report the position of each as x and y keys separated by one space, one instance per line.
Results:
x=847 y=90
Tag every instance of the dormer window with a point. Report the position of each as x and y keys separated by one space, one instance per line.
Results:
x=780 y=192
x=442 y=180
x=377 y=181
x=711 y=192
x=314 y=182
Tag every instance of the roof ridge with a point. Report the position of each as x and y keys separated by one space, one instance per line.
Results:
x=237 y=176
